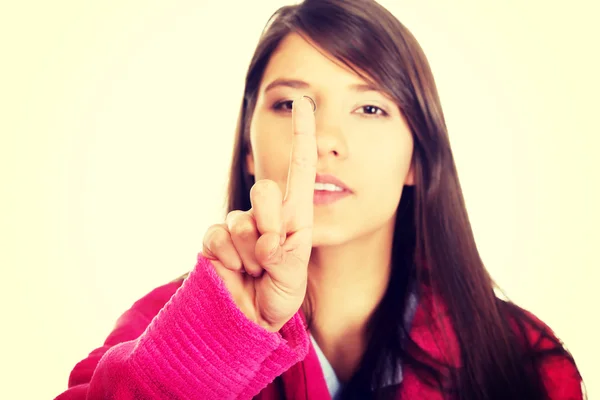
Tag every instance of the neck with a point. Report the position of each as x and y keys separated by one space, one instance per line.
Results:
x=346 y=284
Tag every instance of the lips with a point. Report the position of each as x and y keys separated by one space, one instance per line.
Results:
x=331 y=179
x=329 y=195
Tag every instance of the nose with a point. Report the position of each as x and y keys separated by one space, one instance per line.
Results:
x=330 y=137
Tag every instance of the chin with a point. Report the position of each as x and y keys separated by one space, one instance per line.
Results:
x=328 y=236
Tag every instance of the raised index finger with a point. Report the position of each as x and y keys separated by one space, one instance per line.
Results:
x=303 y=164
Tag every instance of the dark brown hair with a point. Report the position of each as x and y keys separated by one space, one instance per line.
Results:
x=434 y=245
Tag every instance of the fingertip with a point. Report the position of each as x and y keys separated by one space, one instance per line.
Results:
x=267 y=247
x=303 y=121
x=305 y=101
x=313 y=103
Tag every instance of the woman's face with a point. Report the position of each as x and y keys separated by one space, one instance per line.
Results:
x=362 y=139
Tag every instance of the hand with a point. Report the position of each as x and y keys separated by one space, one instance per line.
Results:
x=272 y=241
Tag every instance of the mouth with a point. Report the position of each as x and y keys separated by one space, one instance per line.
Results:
x=329 y=189
x=330 y=182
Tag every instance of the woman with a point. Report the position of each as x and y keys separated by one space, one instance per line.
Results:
x=348 y=270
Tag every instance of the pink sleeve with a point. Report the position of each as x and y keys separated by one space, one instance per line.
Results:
x=199 y=345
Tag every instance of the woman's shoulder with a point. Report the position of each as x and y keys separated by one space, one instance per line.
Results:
x=556 y=365
x=530 y=327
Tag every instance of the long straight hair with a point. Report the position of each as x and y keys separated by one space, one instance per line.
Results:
x=433 y=245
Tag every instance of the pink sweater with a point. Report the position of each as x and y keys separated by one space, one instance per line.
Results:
x=190 y=341
x=199 y=346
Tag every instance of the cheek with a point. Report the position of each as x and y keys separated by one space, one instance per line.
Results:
x=384 y=168
x=387 y=162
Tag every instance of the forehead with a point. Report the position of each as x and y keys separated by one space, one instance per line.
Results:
x=299 y=58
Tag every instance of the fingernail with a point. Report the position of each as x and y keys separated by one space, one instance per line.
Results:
x=313 y=103
x=258 y=274
x=273 y=251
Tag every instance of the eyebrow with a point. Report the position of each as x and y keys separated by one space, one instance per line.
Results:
x=298 y=84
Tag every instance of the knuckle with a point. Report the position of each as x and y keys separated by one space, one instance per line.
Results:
x=210 y=232
x=219 y=239
x=243 y=228
x=263 y=188
x=232 y=215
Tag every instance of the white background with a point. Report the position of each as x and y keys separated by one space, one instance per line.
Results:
x=116 y=128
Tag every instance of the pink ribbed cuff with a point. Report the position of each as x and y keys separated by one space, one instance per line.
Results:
x=201 y=343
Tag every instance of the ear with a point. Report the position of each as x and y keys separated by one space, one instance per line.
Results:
x=250 y=162
x=410 y=176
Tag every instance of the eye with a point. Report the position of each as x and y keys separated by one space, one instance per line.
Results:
x=372 y=110
x=285 y=105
